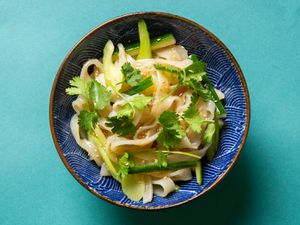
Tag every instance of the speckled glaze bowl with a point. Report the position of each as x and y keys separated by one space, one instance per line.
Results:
x=223 y=70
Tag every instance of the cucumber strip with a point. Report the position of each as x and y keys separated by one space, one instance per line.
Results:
x=155 y=43
x=144 y=84
x=145 y=48
x=219 y=105
x=154 y=167
x=112 y=75
x=211 y=151
x=198 y=170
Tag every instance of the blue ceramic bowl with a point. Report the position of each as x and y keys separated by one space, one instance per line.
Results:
x=223 y=71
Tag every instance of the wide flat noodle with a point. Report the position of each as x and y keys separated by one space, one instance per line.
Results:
x=148 y=63
x=79 y=103
x=98 y=68
x=83 y=143
x=104 y=171
x=181 y=175
x=173 y=52
x=164 y=186
x=119 y=144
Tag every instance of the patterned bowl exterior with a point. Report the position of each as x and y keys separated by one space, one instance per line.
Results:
x=223 y=71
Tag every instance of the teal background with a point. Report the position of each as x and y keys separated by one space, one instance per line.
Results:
x=262 y=188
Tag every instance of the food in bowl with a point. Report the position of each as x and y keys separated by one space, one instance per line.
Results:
x=147 y=114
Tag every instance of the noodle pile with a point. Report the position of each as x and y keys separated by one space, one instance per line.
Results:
x=141 y=147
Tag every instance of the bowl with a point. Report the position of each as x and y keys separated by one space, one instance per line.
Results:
x=223 y=71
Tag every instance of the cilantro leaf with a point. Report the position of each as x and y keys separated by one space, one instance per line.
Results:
x=168 y=138
x=132 y=76
x=124 y=164
x=169 y=119
x=197 y=67
x=140 y=102
x=191 y=76
x=206 y=91
x=99 y=95
x=192 y=117
x=172 y=131
x=194 y=57
x=198 y=88
x=91 y=89
x=78 y=87
x=122 y=126
x=122 y=123
x=87 y=120
x=126 y=111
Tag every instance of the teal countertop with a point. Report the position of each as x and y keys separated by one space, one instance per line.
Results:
x=262 y=188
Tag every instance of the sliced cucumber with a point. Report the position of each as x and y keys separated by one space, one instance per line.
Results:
x=145 y=44
x=198 y=170
x=162 y=41
x=155 y=43
x=212 y=150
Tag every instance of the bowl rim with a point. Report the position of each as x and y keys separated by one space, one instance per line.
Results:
x=214 y=38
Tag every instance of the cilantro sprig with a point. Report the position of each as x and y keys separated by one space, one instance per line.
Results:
x=195 y=77
x=138 y=102
x=78 y=87
x=192 y=115
x=122 y=126
x=132 y=76
x=122 y=123
x=191 y=76
x=87 y=120
x=97 y=94
x=172 y=132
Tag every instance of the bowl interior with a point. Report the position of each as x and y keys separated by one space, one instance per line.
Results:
x=222 y=70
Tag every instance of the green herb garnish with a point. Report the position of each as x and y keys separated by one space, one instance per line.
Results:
x=99 y=95
x=122 y=126
x=132 y=76
x=96 y=93
x=195 y=77
x=172 y=132
x=78 y=87
x=87 y=120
